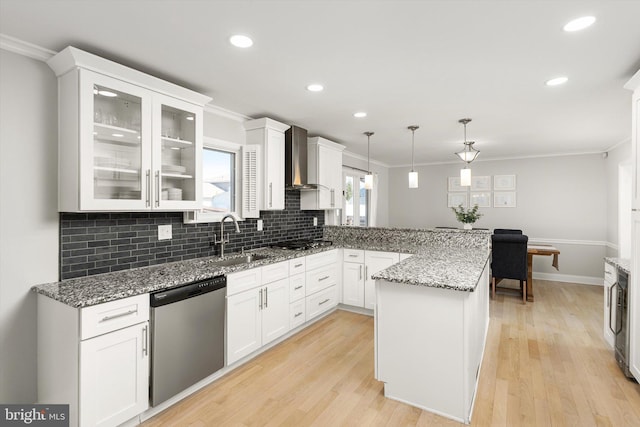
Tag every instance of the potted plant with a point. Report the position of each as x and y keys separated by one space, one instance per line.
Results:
x=467 y=216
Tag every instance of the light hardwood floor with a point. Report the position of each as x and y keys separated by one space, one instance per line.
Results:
x=545 y=364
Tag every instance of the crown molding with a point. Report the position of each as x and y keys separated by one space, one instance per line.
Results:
x=618 y=144
x=363 y=158
x=24 y=48
x=223 y=112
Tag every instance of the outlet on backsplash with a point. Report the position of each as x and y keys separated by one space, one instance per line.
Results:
x=164 y=232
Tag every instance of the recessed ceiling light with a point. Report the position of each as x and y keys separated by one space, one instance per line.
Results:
x=189 y=117
x=107 y=93
x=239 y=40
x=579 y=23
x=315 y=87
x=117 y=135
x=360 y=114
x=557 y=81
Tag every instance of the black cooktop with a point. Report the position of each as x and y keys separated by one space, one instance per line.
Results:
x=300 y=245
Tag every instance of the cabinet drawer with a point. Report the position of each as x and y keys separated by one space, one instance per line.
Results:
x=297 y=265
x=321 y=302
x=274 y=272
x=320 y=278
x=610 y=273
x=353 y=255
x=321 y=259
x=297 y=314
x=111 y=316
x=296 y=287
x=243 y=280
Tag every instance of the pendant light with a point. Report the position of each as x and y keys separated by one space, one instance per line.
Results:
x=368 y=178
x=413 y=175
x=467 y=155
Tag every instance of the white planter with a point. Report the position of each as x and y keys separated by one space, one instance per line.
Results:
x=468 y=226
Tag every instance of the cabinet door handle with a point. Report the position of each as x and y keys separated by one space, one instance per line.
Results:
x=360 y=275
x=148 y=187
x=270 y=194
x=260 y=304
x=366 y=272
x=333 y=197
x=325 y=301
x=297 y=287
x=297 y=314
x=157 y=188
x=115 y=316
x=323 y=278
x=297 y=265
x=266 y=297
x=145 y=340
x=353 y=256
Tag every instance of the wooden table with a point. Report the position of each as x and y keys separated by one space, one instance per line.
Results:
x=545 y=250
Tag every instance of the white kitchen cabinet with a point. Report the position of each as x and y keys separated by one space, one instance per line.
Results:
x=375 y=261
x=321 y=283
x=634 y=277
x=324 y=168
x=353 y=277
x=269 y=136
x=127 y=141
x=95 y=358
x=257 y=312
x=610 y=278
x=114 y=376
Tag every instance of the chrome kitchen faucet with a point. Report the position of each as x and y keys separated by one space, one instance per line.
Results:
x=222 y=240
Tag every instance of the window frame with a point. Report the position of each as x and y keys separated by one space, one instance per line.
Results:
x=202 y=216
x=357 y=175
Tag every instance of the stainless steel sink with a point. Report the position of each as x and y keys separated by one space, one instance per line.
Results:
x=245 y=259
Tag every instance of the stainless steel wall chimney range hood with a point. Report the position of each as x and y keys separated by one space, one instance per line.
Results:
x=295 y=159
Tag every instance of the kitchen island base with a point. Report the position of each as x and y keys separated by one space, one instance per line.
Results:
x=429 y=344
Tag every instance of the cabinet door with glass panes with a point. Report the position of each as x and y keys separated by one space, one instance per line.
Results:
x=177 y=154
x=114 y=146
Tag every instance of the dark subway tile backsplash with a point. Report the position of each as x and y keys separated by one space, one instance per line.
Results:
x=94 y=243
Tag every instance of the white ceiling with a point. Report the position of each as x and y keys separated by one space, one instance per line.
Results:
x=427 y=63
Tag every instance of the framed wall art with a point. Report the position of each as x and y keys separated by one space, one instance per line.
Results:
x=482 y=199
x=456 y=199
x=504 y=199
x=504 y=182
x=480 y=183
x=454 y=184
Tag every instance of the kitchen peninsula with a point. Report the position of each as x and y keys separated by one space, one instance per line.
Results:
x=431 y=318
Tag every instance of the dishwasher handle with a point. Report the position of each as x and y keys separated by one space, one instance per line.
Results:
x=183 y=292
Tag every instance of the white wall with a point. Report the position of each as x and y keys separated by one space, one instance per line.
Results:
x=28 y=214
x=621 y=153
x=559 y=199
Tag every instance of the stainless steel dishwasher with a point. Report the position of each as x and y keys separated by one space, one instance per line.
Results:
x=187 y=336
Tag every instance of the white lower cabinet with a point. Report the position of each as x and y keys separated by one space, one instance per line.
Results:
x=374 y=262
x=96 y=359
x=257 y=315
x=358 y=289
x=114 y=375
x=322 y=280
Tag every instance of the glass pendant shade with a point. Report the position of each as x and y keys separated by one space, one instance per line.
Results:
x=368 y=181
x=465 y=177
x=413 y=179
x=469 y=153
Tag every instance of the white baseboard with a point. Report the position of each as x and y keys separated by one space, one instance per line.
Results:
x=568 y=278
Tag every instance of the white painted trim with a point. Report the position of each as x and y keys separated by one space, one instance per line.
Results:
x=618 y=144
x=223 y=112
x=542 y=240
x=612 y=246
x=24 y=48
x=494 y=159
x=363 y=158
x=569 y=278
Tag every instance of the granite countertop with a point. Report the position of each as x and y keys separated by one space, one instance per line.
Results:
x=92 y=290
x=440 y=267
x=443 y=267
x=622 y=263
